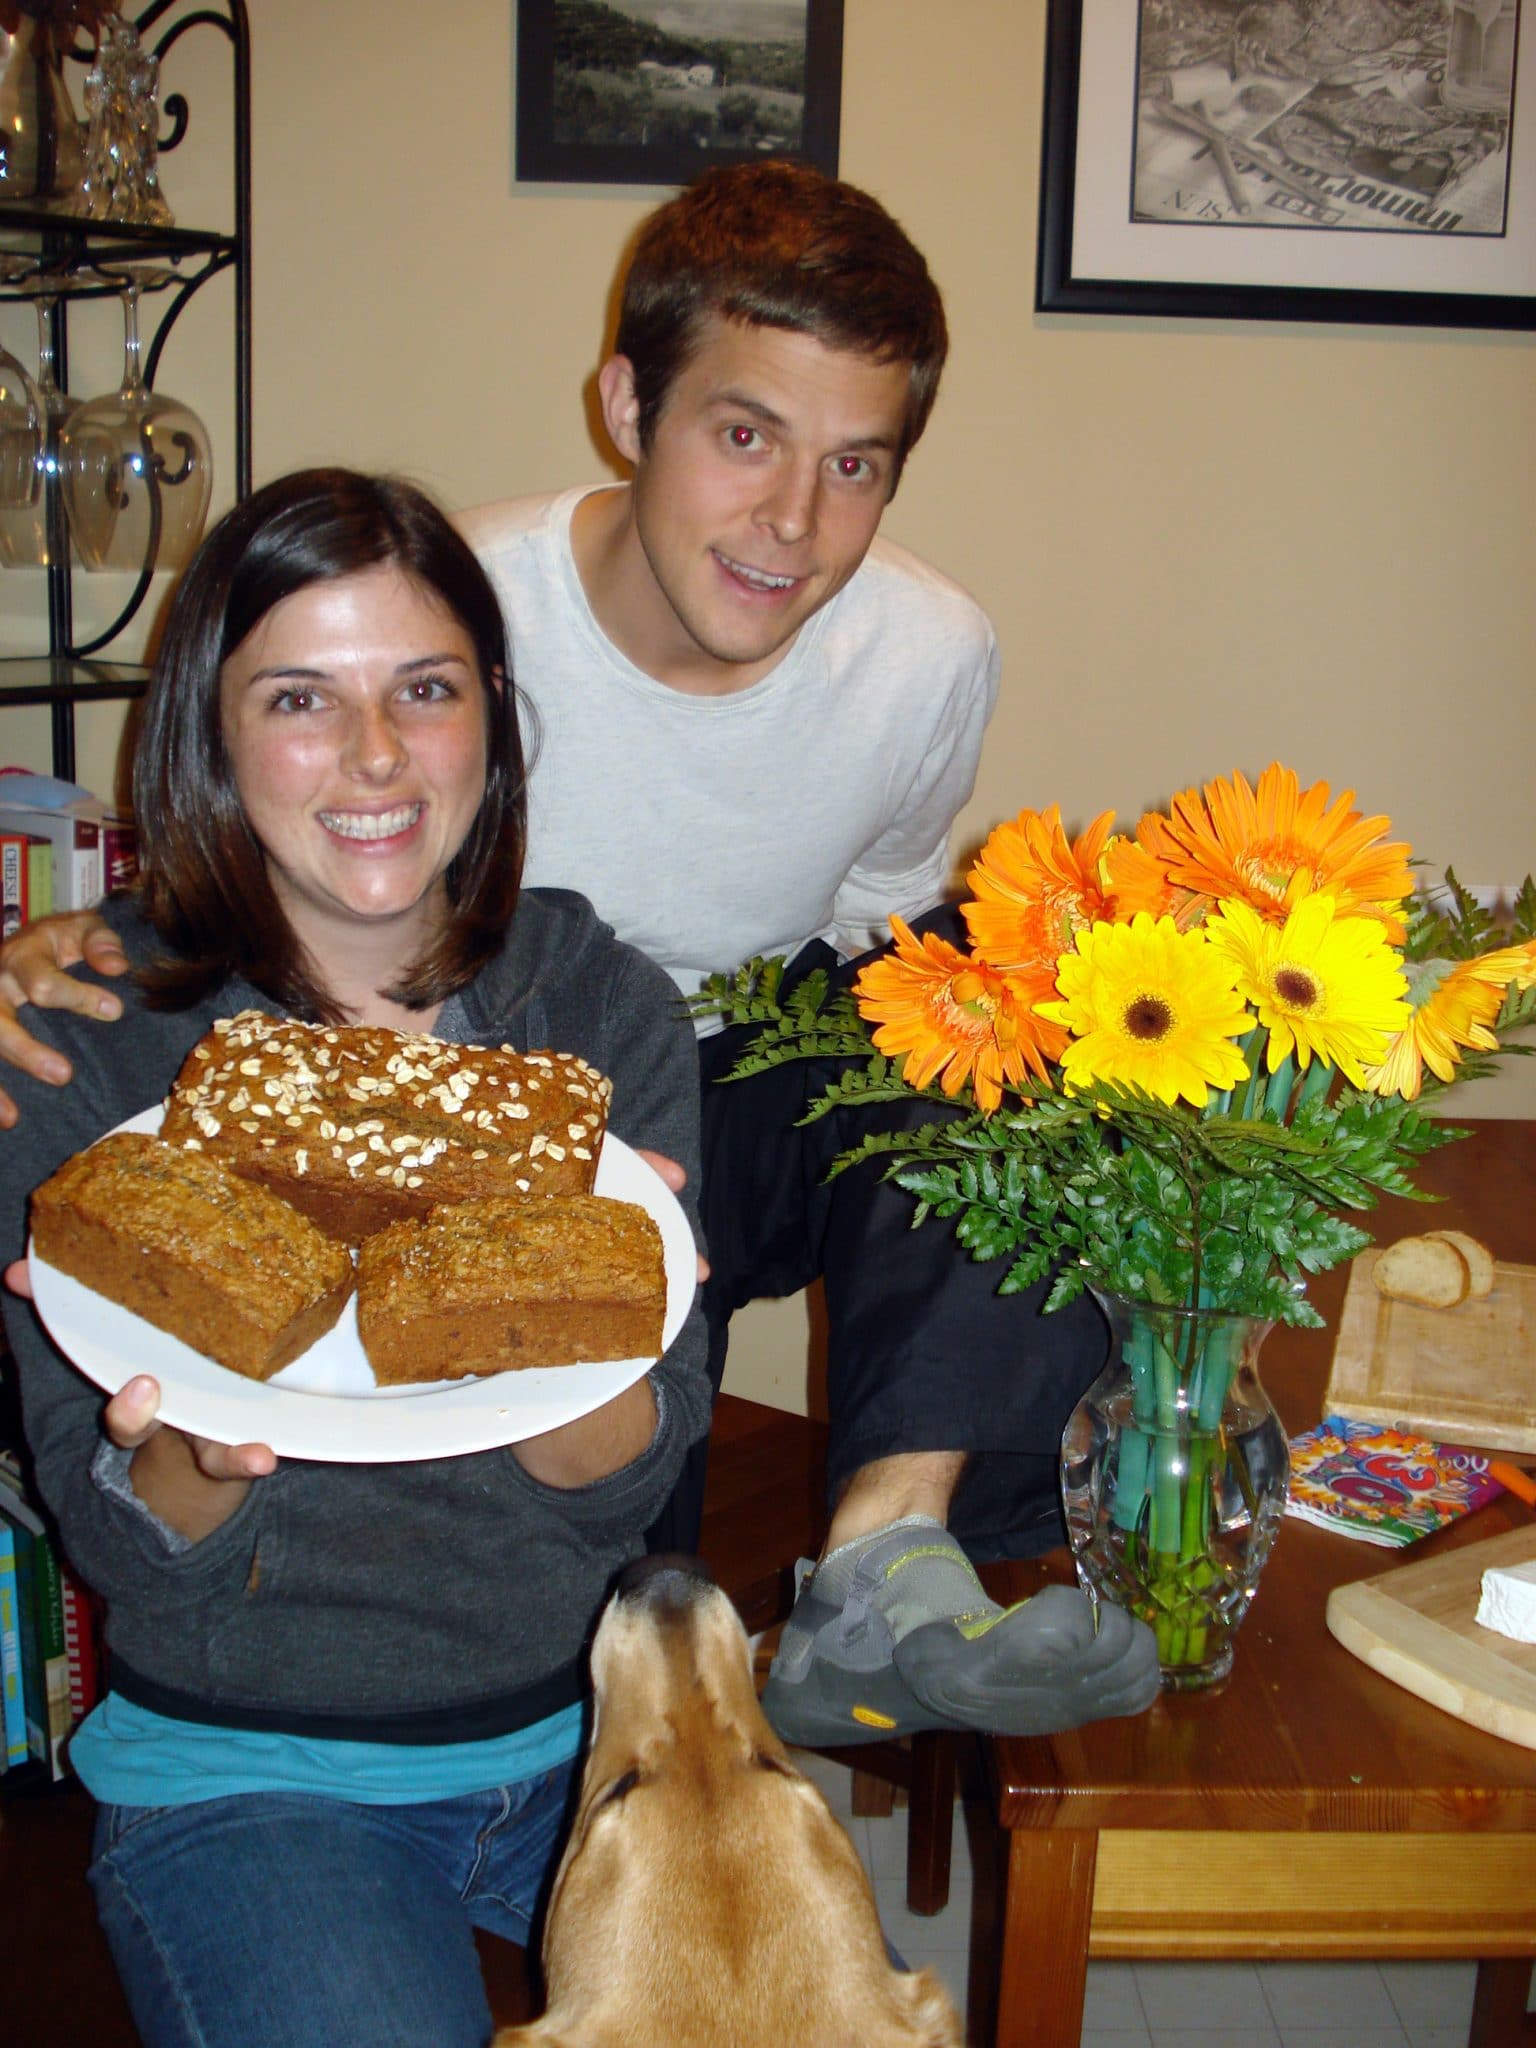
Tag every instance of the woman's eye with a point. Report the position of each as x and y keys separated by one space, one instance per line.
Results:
x=428 y=689
x=743 y=437
x=295 y=698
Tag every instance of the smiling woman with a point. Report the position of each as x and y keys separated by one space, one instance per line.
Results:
x=321 y=1670
x=333 y=664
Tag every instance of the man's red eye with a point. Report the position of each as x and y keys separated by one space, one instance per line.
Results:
x=743 y=436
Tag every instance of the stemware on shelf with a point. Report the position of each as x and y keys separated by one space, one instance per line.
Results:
x=22 y=433
x=136 y=469
x=30 y=533
x=121 y=179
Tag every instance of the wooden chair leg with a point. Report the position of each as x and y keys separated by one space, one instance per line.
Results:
x=1498 y=2004
x=873 y=1798
x=930 y=1822
x=511 y=1984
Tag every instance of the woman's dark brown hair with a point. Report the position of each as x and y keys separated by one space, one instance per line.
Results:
x=203 y=877
x=778 y=244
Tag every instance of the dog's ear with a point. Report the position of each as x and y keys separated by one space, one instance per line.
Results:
x=934 y=2021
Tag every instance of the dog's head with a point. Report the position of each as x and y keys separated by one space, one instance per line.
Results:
x=706 y=1894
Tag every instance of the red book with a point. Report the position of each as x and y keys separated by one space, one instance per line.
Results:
x=119 y=852
x=80 y=1623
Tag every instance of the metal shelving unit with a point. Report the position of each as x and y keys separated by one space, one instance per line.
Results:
x=43 y=250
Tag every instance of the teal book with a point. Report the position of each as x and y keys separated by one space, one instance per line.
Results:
x=15 y=1719
x=26 y=1535
x=40 y=1625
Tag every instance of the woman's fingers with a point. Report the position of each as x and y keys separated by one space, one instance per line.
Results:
x=674 y=1176
x=232 y=1461
x=132 y=1415
x=676 y=1179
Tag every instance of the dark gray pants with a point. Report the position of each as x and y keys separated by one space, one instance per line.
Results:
x=923 y=1354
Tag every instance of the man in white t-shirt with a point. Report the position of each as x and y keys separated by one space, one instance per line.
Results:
x=753 y=727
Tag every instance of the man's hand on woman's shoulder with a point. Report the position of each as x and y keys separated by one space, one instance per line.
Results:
x=34 y=969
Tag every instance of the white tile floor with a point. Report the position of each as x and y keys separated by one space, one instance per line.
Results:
x=1175 y=2005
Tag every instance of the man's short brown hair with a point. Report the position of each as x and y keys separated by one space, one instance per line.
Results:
x=778 y=244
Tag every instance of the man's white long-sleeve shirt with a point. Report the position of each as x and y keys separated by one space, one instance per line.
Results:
x=708 y=829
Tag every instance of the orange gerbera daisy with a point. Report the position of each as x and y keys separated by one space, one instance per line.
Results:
x=1453 y=1003
x=1267 y=846
x=1036 y=889
x=955 y=1018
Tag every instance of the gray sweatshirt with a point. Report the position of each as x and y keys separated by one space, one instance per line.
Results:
x=437 y=1601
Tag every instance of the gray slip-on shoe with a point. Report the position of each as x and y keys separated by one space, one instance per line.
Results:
x=1033 y=1669
x=840 y=1676
x=833 y=1680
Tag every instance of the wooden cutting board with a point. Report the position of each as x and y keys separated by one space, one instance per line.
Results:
x=1462 y=1375
x=1415 y=1625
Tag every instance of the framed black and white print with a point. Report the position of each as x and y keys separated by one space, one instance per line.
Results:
x=1359 y=160
x=651 y=92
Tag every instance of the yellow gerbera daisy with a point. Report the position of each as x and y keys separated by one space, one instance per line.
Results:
x=955 y=1018
x=1150 y=1007
x=1267 y=846
x=1451 y=1003
x=1035 y=888
x=1321 y=984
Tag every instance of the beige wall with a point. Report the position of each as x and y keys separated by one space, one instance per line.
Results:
x=1205 y=544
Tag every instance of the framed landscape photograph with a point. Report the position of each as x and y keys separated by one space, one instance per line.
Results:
x=1360 y=160
x=651 y=92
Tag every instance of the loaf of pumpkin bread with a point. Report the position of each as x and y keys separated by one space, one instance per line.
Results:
x=359 y=1125
x=172 y=1235
x=486 y=1287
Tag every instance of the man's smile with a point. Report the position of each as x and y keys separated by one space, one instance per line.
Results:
x=759 y=579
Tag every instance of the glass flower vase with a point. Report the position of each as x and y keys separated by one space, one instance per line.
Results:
x=1174 y=1469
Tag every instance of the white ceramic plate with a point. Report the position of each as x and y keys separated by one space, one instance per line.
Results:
x=325 y=1405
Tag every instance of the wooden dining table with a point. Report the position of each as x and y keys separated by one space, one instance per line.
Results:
x=1308 y=1807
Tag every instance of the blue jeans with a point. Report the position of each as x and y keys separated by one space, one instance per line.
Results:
x=284 y=1920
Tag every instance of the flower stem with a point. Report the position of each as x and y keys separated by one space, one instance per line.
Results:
x=1314 y=1083
x=1277 y=1096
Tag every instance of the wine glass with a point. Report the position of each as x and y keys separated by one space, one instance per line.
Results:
x=26 y=541
x=137 y=469
x=22 y=433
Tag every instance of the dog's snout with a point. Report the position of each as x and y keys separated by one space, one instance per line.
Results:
x=666 y=1581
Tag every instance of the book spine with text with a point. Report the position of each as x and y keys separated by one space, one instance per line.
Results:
x=15 y=1718
x=119 y=853
x=15 y=881
x=39 y=878
x=26 y=1535
x=80 y=1648
x=55 y=1653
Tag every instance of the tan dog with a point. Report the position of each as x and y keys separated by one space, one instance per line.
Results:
x=707 y=1898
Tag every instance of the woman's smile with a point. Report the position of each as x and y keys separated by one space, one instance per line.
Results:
x=371 y=826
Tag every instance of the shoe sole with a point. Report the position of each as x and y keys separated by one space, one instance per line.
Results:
x=1008 y=1692
x=830 y=1709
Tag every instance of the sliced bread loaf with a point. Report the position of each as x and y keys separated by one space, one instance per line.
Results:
x=1428 y=1271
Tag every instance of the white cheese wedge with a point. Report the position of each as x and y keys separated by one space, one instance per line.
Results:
x=1508 y=1601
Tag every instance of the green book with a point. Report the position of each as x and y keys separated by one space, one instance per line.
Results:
x=39 y=879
